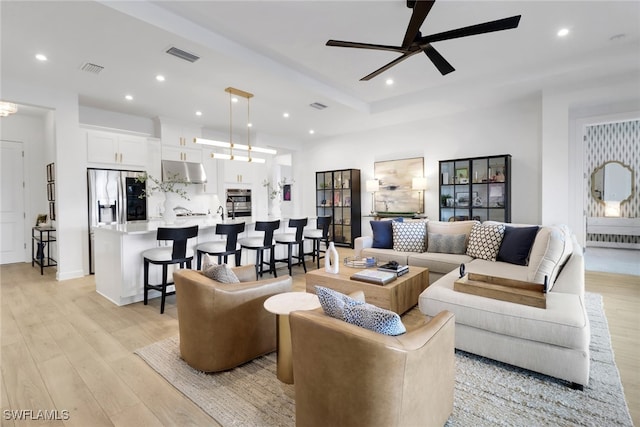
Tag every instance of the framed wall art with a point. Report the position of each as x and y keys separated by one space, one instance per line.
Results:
x=395 y=178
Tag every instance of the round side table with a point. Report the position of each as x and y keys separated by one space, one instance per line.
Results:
x=281 y=305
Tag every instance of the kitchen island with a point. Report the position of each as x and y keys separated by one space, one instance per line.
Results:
x=118 y=253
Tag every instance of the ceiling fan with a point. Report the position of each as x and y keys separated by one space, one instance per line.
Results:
x=414 y=42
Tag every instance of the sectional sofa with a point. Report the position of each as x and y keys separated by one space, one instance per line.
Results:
x=553 y=341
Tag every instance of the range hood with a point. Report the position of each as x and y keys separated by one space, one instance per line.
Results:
x=192 y=173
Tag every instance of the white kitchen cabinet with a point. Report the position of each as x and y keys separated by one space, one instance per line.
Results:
x=179 y=135
x=236 y=172
x=116 y=149
x=211 y=169
x=181 y=154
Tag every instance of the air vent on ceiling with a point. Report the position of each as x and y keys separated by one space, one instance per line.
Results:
x=318 y=106
x=182 y=54
x=91 y=68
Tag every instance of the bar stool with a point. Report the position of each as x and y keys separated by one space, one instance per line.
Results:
x=177 y=253
x=291 y=239
x=260 y=244
x=317 y=236
x=222 y=248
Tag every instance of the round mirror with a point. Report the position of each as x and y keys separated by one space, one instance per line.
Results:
x=612 y=182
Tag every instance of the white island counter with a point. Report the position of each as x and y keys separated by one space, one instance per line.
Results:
x=118 y=253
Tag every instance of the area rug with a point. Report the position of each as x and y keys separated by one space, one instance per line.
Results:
x=487 y=393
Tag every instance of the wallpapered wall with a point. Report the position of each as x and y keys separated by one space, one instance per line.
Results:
x=614 y=141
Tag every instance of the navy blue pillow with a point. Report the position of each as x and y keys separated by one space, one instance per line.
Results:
x=383 y=233
x=516 y=244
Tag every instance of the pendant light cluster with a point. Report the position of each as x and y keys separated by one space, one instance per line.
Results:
x=231 y=145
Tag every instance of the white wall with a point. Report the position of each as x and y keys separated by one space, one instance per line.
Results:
x=70 y=159
x=31 y=131
x=512 y=128
x=565 y=113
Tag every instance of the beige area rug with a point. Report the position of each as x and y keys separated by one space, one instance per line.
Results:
x=487 y=393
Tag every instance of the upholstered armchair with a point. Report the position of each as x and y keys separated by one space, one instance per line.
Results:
x=346 y=375
x=224 y=325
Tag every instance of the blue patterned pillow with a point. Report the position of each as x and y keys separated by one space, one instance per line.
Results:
x=383 y=234
x=374 y=318
x=334 y=303
x=409 y=236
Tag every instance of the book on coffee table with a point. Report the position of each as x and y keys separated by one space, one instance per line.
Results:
x=394 y=268
x=374 y=276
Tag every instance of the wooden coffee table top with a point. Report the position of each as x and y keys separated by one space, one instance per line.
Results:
x=399 y=295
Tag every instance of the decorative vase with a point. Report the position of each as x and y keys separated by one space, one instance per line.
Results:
x=331 y=261
x=169 y=215
x=274 y=206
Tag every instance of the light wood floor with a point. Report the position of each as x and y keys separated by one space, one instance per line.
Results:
x=64 y=347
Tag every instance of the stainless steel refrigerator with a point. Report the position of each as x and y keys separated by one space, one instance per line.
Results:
x=114 y=198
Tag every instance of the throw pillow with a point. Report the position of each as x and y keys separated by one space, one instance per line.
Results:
x=221 y=273
x=409 y=236
x=334 y=303
x=375 y=319
x=516 y=244
x=447 y=243
x=485 y=240
x=383 y=234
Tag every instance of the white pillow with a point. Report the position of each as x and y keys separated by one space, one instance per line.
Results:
x=409 y=236
x=551 y=249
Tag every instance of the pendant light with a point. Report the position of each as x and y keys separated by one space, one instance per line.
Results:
x=231 y=145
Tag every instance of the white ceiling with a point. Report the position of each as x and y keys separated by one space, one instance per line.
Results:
x=276 y=50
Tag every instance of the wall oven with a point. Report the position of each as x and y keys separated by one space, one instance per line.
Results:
x=238 y=202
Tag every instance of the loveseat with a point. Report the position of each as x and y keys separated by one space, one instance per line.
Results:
x=553 y=341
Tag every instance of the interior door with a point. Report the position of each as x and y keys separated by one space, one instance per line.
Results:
x=12 y=244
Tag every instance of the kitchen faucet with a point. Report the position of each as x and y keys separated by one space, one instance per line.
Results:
x=220 y=211
x=233 y=207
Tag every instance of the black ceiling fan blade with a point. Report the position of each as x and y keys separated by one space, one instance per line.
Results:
x=472 y=30
x=420 y=11
x=390 y=64
x=438 y=60
x=341 y=43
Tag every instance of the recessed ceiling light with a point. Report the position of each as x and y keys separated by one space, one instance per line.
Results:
x=234 y=99
x=160 y=78
x=128 y=97
x=249 y=125
x=389 y=82
x=198 y=113
x=285 y=115
x=311 y=131
x=41 y=57
x=563 y=32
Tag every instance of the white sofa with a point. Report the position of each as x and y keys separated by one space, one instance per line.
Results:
x=553 y=341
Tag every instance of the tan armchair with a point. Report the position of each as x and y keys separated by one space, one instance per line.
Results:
x=349 y=376
x=224 y=325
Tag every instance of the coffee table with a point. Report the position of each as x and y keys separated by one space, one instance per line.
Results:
x=283 y=304
x=398 y=296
